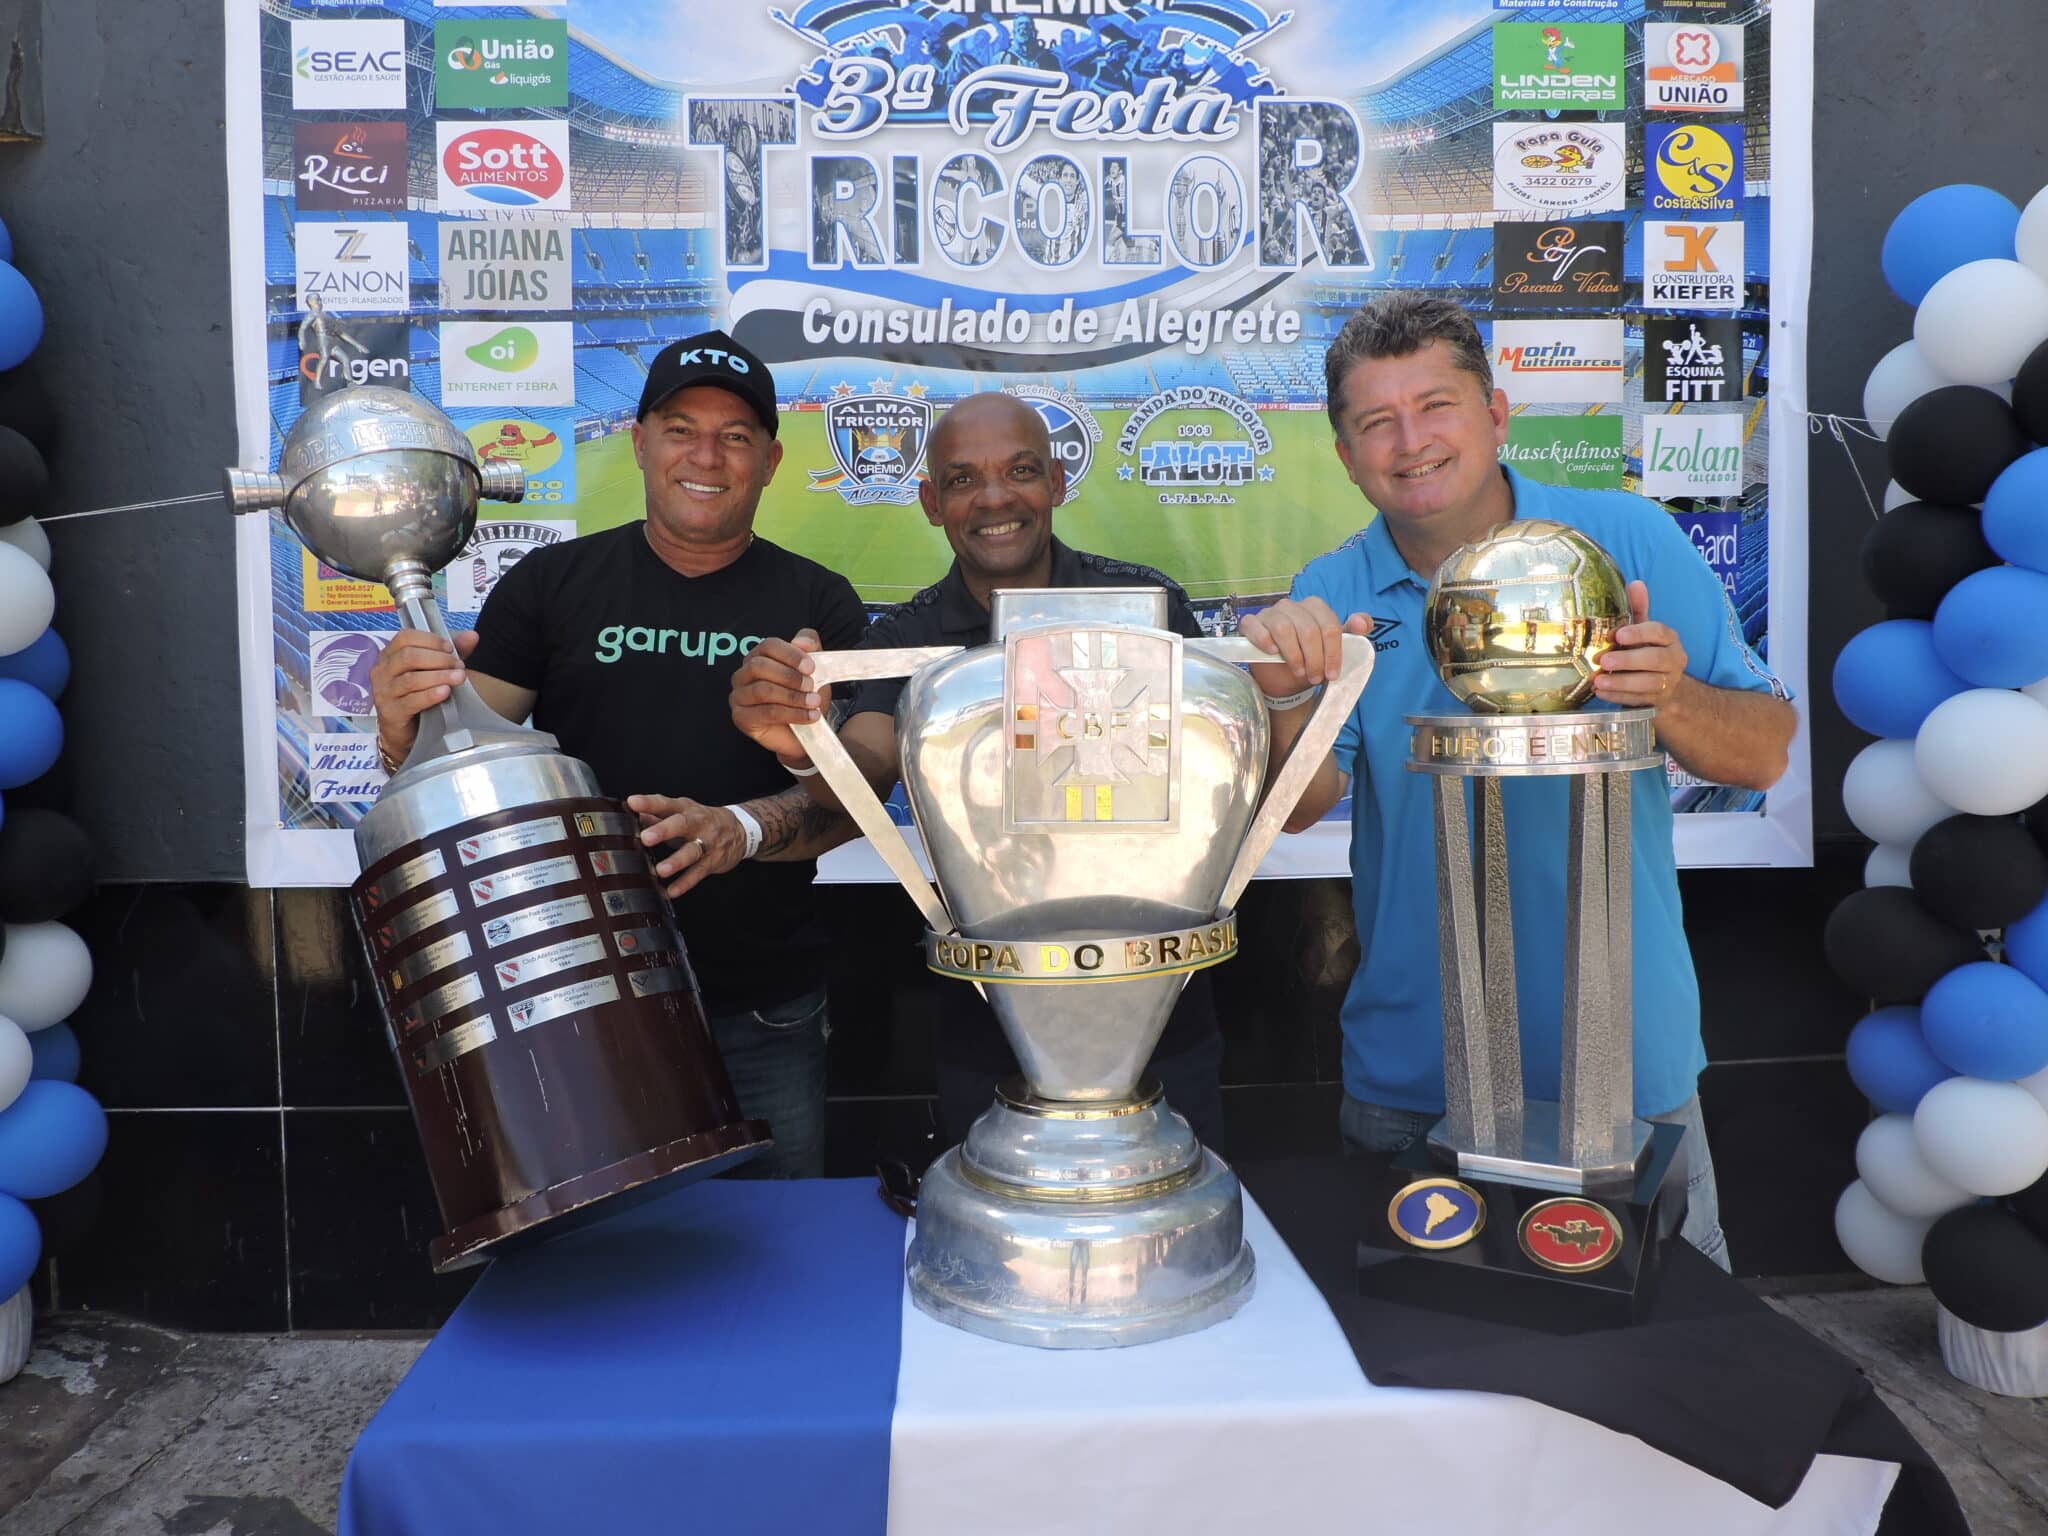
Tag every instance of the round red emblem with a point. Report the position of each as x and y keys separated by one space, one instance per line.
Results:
x=1570 y=1234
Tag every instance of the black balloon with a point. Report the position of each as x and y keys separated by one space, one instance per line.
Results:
x=1889 y=948
x=2030 y=395
x=46 y=865
x=1986 y=1267
x=1975 y=871
x=24 y=478
x=1916 y=552
x=2031 y=1206
x=1951 y=443
x=25 y=406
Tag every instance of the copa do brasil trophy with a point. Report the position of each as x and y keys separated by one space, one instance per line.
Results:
x=532 y=982
x=1520 y=1208
x=1087 y=785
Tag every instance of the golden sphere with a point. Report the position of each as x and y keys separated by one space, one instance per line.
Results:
x=1517 y=621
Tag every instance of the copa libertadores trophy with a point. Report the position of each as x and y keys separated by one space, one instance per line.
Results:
x=527 y=965
x=1088 y=789
x=1516 y=1206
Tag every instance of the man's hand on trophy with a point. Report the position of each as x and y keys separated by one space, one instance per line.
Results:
x=1646 y=666
x=1307 y=637
x=416 y=671
x=772 y=691
x=708 y=839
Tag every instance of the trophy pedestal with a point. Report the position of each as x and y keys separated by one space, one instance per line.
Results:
x=1537 y=1155
x=1080 y=1226
x=1516 y=1252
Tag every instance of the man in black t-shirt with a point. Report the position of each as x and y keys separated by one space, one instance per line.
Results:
x=991 y=482
x=622 y=645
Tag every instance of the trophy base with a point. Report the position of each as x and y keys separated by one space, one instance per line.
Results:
x=1080 y=1226
x=1519 y=1253
x=1537 y=1158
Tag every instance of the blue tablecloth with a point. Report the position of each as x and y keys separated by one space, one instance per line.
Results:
x=722 y=1359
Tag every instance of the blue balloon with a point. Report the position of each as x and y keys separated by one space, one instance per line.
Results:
x=2016 y=512
x=1987 y=1020
x=1988 y=631
x=31 y=733
x=6 y=244
x=50 y=1138
x=1887 y=678
x=2026 y=944
x=53 y=1054
x=45 y=664
x=21 y=318
x=21 y=1245
x=1940 y=230
x=1889 y=1060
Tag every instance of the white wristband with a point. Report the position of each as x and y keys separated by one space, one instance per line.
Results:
x=1292 y=700
x=750 y=827
x=808 y=771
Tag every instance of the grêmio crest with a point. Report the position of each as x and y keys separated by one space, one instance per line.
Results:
x=878 y=441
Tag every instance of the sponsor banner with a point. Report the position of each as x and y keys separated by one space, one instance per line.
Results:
x=497 y=545
x=323 y=589
x=338 y=663
x=1718 y=538
x=1692 y=265
x=1583 y=452
x=504 y=267
x=1545 y=5
x=1691 y=361
x=1572 y=264
x=492 y=364
x=541 y=443
x=1692 y=67
x=348 y=167
x=1070 y=424
x=495 y=61
x=1556 y=67
x=353 y=267
x=1694 y=7
x=1693 y=170
x=1558 y=169
x=1692 y=453
x=508 y=167
x=1572 y=361
x=338 y=351
x=342 y=767
x=346 y=66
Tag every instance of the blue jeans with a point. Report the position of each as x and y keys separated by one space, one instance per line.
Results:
x=776 y=1059
x=1382 y=1128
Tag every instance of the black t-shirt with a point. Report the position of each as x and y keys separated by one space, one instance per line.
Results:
x=947 y=613
x=631 y=663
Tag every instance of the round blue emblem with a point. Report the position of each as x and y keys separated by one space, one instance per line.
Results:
x=1437 y=1213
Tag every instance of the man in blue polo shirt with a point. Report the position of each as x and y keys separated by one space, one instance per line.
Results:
x=1419 y=428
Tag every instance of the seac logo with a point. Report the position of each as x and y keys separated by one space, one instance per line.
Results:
x=337 y=352
x=496 y=166
x=1692 y=67
x=339 y=65
x=351 y=266
x=1692 y=169
x=1692 y=266
x=878 y=442
x=1071 y=426
x=1576 y=264
x=346 y=167
x=489 y=62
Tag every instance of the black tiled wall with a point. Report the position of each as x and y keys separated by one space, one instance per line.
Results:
x=263 y=1171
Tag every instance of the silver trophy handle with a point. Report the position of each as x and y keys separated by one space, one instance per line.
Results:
x=1310 y=748
x=856 y=796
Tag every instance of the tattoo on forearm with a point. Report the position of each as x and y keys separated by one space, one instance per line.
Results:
x=791 y=819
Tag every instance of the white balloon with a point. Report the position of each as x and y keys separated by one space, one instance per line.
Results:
x=2032 y=236
x=28 y=535
x=1880 y=1242
x=27 y=600
x=1896 y=496
x=1980 y=322
x=45 y=972
x=1985 y=750
x=1889 y=1162
x=16 y=1062
x=1984 y=1137
x=1885 y=797
x=1900 y=377
x=2037 y=1085
x=1889 y=864
x=2037 y=691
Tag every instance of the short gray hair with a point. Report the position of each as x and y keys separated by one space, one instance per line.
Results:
x=1400 y=324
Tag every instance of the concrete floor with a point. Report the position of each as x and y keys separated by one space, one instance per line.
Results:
x=118 y=1429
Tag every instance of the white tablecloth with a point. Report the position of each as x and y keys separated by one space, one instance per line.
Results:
x=1266 y=1426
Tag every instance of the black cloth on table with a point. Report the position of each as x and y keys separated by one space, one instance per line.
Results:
x=1713 y=1377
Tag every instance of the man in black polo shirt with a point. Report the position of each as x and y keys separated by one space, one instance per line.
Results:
x=621 y=644
x=991 y=482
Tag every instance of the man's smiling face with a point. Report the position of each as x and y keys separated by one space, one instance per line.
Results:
x=705 y=458
x=1421 y=437
x=991 y=482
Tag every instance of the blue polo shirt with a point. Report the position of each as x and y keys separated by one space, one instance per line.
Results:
x=1393 y=1012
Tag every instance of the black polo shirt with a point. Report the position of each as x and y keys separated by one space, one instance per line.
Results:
x=947 y=613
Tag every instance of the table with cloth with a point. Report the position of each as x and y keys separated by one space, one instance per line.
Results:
x=739 y=1357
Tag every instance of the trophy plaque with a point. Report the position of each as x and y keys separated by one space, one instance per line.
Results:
x=1517 y=1207
x=531 y=979
x=1087 y=786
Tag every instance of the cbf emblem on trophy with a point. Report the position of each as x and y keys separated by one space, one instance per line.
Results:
x=1088 y=789
x=878 y=444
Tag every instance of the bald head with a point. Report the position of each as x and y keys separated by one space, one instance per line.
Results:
x=979 y=416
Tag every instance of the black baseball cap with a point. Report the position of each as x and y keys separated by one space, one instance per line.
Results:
x=711 y=357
